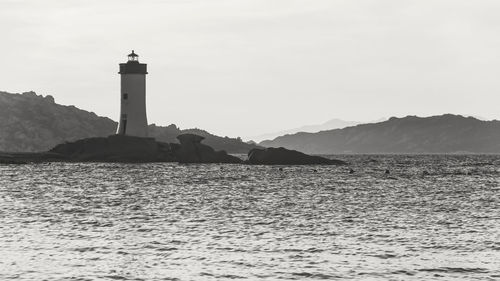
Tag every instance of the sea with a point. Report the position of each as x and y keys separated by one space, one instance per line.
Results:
x=382 y=217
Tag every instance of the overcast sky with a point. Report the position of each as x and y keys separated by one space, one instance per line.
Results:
x=246 y=67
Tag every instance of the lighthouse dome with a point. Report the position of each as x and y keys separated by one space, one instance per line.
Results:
x=133 y=57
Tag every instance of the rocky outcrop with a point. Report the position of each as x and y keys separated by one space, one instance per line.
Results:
x=116 y=148
x=282 y=156
x=191 y=150
x=126 y=149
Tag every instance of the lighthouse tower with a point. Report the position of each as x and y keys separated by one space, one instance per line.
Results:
x=133 y=120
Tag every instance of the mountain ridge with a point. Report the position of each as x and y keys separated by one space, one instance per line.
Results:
x=331 y=124
x=446 y=133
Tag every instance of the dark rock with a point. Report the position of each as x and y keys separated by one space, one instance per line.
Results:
x=118 y=148
x=50 y=99
x=282 y=156
x=115 y=148
x=191 y=150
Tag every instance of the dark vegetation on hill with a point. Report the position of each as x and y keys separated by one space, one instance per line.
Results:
x=31 y=122
x=437 y=134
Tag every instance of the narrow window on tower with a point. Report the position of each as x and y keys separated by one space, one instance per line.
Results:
x=125 y=96
x=124 y=121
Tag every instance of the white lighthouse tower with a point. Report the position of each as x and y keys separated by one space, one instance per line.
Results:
x=133 y=120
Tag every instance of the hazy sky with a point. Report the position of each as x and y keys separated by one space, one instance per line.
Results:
x=246 y=67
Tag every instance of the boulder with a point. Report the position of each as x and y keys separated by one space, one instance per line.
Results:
x=283 y=156
x=191 y=150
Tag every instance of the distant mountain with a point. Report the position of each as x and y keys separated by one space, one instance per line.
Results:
x=329 y=125
x=31 y=122
x=437 y=134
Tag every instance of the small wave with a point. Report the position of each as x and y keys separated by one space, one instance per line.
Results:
x=115 y=277
x=230 y=276
x=167 y=249
x=314 y=275
x=85 y=249
x=405 y=272
x=227 y=276
x=455 y=270
x=385 y=256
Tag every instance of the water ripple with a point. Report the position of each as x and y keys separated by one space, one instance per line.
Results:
x=432 y=217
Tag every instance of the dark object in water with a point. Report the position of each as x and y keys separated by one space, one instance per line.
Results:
x=351 y=171
x=283 y=156
x=387 y=171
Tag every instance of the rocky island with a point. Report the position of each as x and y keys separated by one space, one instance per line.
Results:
x=283 y=156
x=131 y=149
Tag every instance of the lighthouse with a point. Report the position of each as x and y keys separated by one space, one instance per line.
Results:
x=133 y=120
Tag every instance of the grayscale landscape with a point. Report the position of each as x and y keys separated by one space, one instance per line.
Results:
x=249 y=140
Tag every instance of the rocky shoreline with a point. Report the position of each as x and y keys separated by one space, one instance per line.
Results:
x=128 y=149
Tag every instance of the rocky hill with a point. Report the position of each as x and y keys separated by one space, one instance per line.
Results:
x=31 y=122
x=437 y=134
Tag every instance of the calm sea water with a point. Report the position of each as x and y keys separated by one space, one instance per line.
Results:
x=221 y=222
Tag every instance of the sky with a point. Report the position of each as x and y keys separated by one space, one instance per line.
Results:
x=248 y=67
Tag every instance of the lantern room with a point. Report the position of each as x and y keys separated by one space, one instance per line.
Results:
x=133 y=57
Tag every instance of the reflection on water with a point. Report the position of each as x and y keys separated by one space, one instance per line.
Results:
x=432 y=217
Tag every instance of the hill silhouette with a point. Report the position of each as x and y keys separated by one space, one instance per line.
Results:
x=328 y=125
x=437 y=134
x=31 y=122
